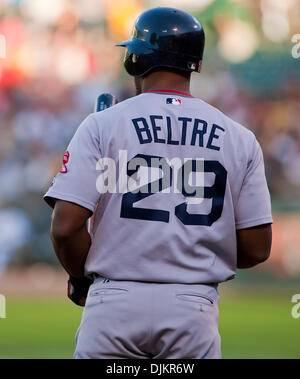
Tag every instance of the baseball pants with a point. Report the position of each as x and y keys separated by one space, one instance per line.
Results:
x=138 y=320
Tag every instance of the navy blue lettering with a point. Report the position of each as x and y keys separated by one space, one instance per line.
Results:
x=156 y=129
x=199 y=132
x=143 y=132
x=213 y=136
x=169 y=126
x=185 y=121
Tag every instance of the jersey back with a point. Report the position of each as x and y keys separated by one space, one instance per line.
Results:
x=169 y=179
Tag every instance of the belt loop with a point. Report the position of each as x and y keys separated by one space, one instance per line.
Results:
x=98 y=277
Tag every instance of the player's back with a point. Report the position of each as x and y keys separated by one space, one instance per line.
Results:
x=181 y=178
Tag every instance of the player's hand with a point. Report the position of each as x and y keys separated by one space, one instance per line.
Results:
x=78 y=289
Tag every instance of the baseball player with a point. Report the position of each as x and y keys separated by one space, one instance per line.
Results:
x=179 y=199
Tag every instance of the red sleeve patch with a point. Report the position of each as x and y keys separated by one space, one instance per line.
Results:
x=66 y=158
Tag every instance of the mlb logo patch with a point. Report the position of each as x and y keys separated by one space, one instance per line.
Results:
x=173 y=101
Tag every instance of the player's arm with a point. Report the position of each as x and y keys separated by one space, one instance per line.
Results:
x=253 y=213
x=74 y=195
x=253 y=245
x=70 y=237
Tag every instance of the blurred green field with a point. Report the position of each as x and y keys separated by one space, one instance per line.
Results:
x=250 y=327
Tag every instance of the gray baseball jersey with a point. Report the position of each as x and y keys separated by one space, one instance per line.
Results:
x=169 y=179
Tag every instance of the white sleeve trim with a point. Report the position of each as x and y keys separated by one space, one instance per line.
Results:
x=52 y=195
x=254 y=222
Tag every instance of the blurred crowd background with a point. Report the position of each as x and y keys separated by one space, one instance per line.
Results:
x=56 y=56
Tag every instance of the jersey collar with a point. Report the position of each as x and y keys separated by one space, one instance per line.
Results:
x=169 y=91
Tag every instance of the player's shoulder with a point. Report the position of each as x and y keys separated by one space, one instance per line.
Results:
x=231 y=125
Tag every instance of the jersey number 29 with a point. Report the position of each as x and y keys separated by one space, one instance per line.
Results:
x=216 y=193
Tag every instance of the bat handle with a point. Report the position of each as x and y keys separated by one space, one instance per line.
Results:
x=104 y=101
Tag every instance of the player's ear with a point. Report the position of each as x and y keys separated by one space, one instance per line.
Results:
x=200 y=66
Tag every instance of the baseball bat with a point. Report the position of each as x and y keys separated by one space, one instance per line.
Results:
x=103 y=101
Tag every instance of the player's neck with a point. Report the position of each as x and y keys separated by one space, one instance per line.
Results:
x=165 y=81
